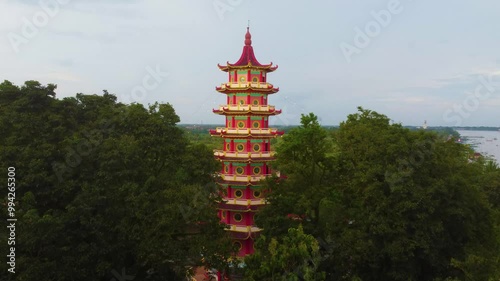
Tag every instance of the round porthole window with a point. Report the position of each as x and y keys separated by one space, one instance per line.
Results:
x=255 y=79
x=241 y=124
x=237 y=217
x=256 y=194
x=238 y=193
x=243 y=79
x=256 y=124
x=223 y=214
x=240 y=170
x=226 y=169
x=238 y=245
x=255 y=102
x=256 y=147
x=256 y=170
x=240 y=147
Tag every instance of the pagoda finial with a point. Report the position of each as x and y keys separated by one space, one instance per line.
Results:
x=248 y=36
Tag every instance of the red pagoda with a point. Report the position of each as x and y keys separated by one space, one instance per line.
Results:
x=246 y=144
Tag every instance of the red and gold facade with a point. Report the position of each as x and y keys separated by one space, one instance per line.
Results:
x=246 y=144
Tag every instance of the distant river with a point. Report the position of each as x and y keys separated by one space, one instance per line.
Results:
x=485 y=142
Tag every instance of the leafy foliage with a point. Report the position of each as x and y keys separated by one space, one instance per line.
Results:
x=104 y=186
x=386 y=203
x=294 y=256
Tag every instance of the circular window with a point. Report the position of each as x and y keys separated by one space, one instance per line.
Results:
x=256 y=147
x=256 y=194
x=228 y=146
x=238 y=193
x=243 y=79
x=240 y=147
x=240 y=170
x=229 y=123
x=256 y=124
x=241 y=102
x=255 y=79
x=256 y=170
x=255 y=102
x=226 y=169
x=238 y=245
x=223 y=214
x=237 y=217
x=241 y=124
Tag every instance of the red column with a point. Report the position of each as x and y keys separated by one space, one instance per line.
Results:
x=248 y=220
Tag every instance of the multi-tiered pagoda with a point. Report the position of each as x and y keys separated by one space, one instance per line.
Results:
x=246 y=143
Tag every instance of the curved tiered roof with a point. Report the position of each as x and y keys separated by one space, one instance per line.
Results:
x=234 y=87
x=246 y=133
x=247 y=59
x=246 y=109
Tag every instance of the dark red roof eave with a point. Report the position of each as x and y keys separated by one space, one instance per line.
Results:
x=247 y=58
x=270 y=89
x=229 y=66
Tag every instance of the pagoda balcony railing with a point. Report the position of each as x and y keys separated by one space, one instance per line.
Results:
x=248 y=107
x=235 y=85
x=244 y=155
x=245 y=131
x=243 y=178
x=244 y=228
x=244 y=202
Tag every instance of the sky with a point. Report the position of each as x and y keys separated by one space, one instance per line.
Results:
x=412 y=60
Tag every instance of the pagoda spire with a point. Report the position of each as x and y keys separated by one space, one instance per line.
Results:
x=247 y=58
x=248 y=37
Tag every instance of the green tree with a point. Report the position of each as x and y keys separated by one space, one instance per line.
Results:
x=294 y=256
x=305 y=158
x=106 y=188
x=410 y=204
x=393 y=204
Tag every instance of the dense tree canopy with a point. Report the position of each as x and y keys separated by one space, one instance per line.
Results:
x=105 y=189
x=291 y=257
x=110 y=191
x=384 y=202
